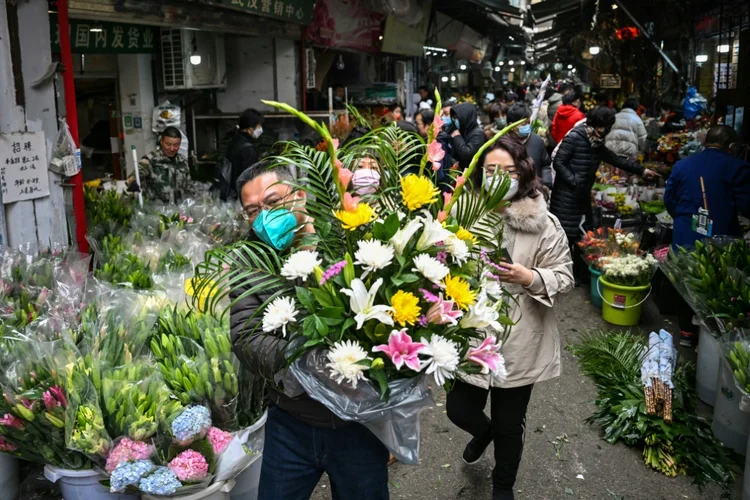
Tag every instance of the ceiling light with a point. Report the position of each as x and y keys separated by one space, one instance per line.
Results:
x=435 y=49
x=523 y=63
x=594 y=50
x=511 y=38
x=723 y=48
x=573 y=70
x=512 y=70
x=428 y=53
x=463 y=67
x=570 y=66
x=510 y=62
x=701 y=58
x=380 y=37
x=445 y=79
x=96 y=29
x=195 y=59
x=614 y=6
x=500 y=63
x=453 y=78
x=445 y=54
x=497 y=68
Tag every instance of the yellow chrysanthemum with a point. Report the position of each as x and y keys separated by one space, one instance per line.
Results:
x=465 y=235
x=363 y=214
x=418 y=191
x=459 y=291
x=405 y=308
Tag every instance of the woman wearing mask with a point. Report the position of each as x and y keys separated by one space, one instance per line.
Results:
x=498 y=120
x=533 y=143
x=541 y=269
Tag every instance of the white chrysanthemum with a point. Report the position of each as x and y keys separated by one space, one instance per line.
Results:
x=433 y=233
x=482 y=314
x=457 y=248
x=493 y=288
x=300 y=265
x=278 y=314
x=403 y=236
x=344 y=358
x=444 y=359
x=373 y=255
x=430 y=268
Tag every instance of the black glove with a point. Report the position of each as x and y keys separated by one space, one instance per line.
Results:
x=449 y=127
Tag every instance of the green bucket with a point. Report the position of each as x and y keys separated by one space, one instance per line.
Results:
x=622 y=305
x=596 y=297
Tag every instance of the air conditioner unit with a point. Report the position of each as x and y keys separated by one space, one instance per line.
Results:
x=192 y=59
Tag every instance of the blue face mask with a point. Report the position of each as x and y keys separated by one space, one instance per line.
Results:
x=276 y=227
x=446 y=119
x=456 y=123
x=524 y=130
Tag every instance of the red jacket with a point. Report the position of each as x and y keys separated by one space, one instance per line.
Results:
x=566 y=117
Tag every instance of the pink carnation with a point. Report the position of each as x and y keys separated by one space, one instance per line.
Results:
x=126 y=451
x=189 y=466
x=219 y=439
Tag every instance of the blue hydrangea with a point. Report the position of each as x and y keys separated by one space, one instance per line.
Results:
x=192 y=422
x=161 y=482
x=129 y=474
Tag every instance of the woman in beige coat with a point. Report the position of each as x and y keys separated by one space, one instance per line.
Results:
x=541 y=270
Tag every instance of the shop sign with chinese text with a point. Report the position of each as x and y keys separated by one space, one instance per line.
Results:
x=23 y=166
x=91 y=37
x=608 y=81
x=291 y=11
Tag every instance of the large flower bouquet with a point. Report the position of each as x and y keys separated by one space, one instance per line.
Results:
x=628 y=270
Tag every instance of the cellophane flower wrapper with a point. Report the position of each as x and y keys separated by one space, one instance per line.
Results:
x=735 y=346
x=395 y=421
x=85 y=430
x=245 y=448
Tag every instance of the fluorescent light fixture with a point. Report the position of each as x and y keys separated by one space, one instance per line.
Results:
x=701 y=58
x=497 y=68
x=511 y=63
x=570 y=66
x=445 y=54
x=428 y=53
x=445 y=79
x=723 y=48
x=594 y=50
x=463 y=67
x=96 y=29
x=435 y=49
x=195 y=59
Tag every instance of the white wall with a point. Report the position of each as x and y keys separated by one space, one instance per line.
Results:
x=136 y=98
x=250 y=73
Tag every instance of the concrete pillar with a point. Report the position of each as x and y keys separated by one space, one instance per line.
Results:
x=137 y=100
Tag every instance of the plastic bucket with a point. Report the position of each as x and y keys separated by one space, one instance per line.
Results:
x=707 y=369
x=746 y=477
x=596 y=297
x=8 y=477
x=82 y=484
x=217 y=491
x=730 y=425
x=622 y=305
x=248 y=481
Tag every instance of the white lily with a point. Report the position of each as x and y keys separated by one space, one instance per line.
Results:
x=482 y=314
x=362 y=303
x=433 y=233
x=403 y=236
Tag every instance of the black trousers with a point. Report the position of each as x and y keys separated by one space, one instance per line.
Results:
x=507 y=427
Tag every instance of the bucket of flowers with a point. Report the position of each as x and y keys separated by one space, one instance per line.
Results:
x=386 y=292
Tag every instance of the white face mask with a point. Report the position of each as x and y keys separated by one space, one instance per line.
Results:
x=492 y=182
x=257 y=132
x=512 y=191
x=365 y=181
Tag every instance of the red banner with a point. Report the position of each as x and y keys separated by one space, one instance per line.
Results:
x=345 y=24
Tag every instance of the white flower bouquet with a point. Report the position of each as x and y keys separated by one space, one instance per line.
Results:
x=628 y=270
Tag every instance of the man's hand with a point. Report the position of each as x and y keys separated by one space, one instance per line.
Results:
x=650 y=174
x=455 y=133
x=516 y=274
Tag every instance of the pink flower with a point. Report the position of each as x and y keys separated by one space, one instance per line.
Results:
x=350 y=202
x=28 y=403
x=126 y=451
x=442 y=257
x=442 y=215
x=460 y=181
x=401 y=350
x=12 y=421
x=219 y=439
x=488 y=357
x=335 y=144
x=345 y=175
x=437 y=123
x=435 y=154
x=443 y=312
x=49 y=400
x=429 y=296
x=6 y=445
x=189 y=466
x=59 y=394
x=447 y=197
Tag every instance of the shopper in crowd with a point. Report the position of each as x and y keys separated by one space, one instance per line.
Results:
x=423 y=119
x=164 y=173
x=533 y=143
x=628 y=135
x=424 y=93
x=466 y=136
x=556 y=98
x=670 y=120
x=604 y=100
x=498 y=119
x=576 y=162
x=299 y=430
x=241 y=151
x=567 y=116
x=714 y=180
x=339 y=97
x=510 y=98
x=541 y=269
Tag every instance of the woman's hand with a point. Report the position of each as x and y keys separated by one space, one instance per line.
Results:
x=516 y=274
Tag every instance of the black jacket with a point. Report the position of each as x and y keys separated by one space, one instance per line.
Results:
x=242 y=154
x=538 y=152
x=576 y=163
x=466 y=145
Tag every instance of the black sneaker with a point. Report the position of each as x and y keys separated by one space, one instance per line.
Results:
x=474 y=451
x=503 y=495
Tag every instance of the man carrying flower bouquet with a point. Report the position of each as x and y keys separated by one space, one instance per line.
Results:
x=303 y=438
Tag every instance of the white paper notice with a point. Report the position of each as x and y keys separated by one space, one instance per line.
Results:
x=23 y=166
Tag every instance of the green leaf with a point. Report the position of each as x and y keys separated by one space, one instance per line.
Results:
x=323 y=298
x=379 y=377
x=332 y=312
x=308 y=326
x=321 y=326
x=323 y=229
x=305 y=298
x=348 y=323
x=312 y=343
x=409 y=278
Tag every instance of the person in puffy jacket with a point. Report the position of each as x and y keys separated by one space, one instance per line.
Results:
x=567 y=116
x=628 y=136
x=532 y=142
x=576 y=162
x=466 y=135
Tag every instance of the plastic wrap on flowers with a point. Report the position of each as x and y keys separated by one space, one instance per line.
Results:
x=395 y=421
x=735 y=346
x=84 y=424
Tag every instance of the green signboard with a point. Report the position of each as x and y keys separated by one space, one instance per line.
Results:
x=291 y=11
x=94 y=37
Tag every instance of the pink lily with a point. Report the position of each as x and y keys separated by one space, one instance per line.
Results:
x=350 y=202
x=435 y=154
x=488 y=357
x=401 y=350
x=429 y=296
x=443 y=312
x=59 y=394
x=345 y=175
x=49 y=400
x=9 y=420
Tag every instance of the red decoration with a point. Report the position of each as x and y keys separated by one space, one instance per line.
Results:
x=628 y=33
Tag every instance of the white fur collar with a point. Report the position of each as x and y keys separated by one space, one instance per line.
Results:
x=527 y=215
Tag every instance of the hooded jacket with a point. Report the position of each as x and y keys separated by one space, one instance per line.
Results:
x=466 y=145
x=242 y=154
x=535 y=239
x=628 y=135
x=565 y=119
x=554 y=104
x=576 y=163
